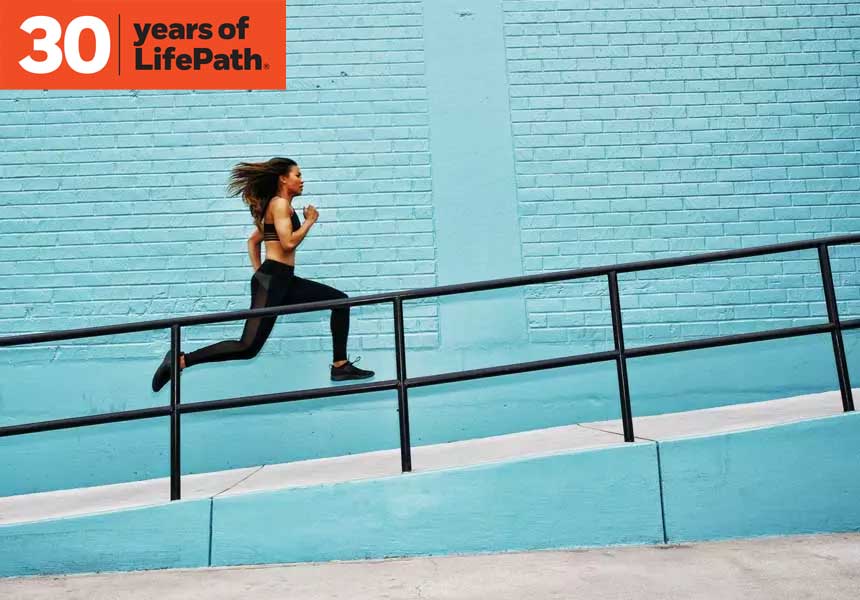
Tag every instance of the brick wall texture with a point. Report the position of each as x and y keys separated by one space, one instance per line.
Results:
x=641 y=128
x=650 y=128
x=114 y=206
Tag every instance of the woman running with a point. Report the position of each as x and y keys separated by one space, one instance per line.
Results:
x=268 y=188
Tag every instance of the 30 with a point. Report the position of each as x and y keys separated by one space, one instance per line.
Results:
x=71 y=45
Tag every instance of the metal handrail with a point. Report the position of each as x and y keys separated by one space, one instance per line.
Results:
x=402 y=383
x=418 y=293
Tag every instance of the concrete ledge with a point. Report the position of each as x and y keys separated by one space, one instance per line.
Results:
x=434 y=457
x=169 y=536
x=119 y=496
x=736 y=417
x=358 y=467
x=572 y=486
x=797 y=478
x=590 y=498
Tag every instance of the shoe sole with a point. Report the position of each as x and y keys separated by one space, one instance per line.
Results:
x=342 y=378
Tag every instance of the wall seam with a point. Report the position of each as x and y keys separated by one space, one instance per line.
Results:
x=435 y=212
x=513 y=145
x=662 y=502
x=211 y=527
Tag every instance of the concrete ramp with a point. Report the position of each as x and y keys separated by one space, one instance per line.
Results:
x=371 y=465
x=772 y=468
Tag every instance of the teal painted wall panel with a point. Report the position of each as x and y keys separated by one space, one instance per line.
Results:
x=174 y=535
x=712 y=377
x=792 y=479
x=591 y=498
x=473 y=175
x=84 y=457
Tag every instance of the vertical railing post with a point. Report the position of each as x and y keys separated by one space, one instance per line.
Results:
x=175 y=437
x=836 y=332
x=621 y=359
x=402 y=393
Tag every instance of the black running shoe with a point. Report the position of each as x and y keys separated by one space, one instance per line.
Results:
x=348 y=370
x=162 y=373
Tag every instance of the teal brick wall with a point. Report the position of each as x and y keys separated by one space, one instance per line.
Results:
x=646 y=129
x=638 y=131
x=113 y=204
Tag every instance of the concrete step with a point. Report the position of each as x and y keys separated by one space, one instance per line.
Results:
x=29 y=508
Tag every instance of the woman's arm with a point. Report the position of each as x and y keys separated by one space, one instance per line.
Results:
x=254 y=241
x=290 y=239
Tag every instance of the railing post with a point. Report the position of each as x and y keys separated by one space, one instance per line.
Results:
x=175 y=437
x=621 y=359
x=836 y=332
x=402 y=395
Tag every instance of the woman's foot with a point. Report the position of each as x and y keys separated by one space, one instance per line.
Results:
x=162 y=373
x=348 y=370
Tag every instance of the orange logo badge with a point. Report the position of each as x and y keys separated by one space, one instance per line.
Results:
x=143 y=44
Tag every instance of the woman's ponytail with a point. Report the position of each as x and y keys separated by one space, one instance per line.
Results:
x=258 y=183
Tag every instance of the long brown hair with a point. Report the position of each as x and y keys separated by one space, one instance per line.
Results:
x=258 y=182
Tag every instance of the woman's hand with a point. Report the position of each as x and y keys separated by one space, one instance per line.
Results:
x=311 y=214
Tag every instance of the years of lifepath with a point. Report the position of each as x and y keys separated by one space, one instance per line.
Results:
x=189 y=31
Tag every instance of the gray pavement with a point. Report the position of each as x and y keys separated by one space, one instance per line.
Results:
x=820 y=567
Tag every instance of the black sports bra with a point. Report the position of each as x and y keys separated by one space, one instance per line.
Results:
x=270 y=234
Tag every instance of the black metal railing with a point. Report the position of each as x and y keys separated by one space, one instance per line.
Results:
x=403 y=383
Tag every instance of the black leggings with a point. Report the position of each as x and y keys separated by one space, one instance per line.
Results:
x=275 y=284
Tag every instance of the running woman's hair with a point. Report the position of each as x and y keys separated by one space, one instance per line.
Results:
x=258 y=183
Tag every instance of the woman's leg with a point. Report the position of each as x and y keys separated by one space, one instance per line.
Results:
x=254 y=334
x=305 y=290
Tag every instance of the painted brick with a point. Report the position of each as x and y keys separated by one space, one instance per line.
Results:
x=746 y=105
x=639 y=132
x=133 y=218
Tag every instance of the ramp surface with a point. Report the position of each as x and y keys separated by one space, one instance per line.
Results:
x=64 y=503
